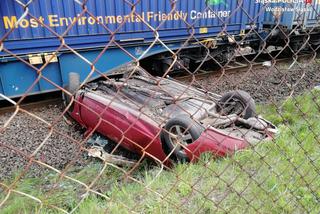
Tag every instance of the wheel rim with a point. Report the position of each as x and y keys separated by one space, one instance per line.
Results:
x=179 y=136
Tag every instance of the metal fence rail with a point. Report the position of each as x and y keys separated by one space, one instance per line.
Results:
x=162 y=136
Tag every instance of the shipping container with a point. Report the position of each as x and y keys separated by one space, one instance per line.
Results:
x=293 y=14
x=40 y=28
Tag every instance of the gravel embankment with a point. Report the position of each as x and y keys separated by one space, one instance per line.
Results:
x=25 y=133
x=266 y=84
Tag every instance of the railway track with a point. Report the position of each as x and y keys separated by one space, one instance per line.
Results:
x=28 y=105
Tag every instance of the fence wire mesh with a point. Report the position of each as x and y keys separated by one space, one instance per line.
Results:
x=226 y=123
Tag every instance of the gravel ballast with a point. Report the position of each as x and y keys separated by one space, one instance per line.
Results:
x=26 y=133
x=266 y=84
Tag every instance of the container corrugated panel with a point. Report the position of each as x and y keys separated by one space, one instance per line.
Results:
x=275 y=16
x=298 y=14
x=206 y=17
x=307 y=15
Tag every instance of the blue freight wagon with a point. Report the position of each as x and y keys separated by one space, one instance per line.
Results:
x=69 y=35
x=297 y=19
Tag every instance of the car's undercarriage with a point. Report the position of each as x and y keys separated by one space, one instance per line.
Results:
x=162 y=99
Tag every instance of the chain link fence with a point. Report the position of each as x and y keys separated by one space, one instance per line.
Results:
x=210 y=124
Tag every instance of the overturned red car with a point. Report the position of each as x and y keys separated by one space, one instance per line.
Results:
x=165 y=119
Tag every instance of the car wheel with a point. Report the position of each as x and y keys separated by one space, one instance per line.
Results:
x=72 y=87
x=179 y=132
x=237 y=102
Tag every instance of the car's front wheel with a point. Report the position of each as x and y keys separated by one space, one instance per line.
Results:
x=178 y=133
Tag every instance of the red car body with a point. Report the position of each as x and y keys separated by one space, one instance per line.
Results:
x=110 y=114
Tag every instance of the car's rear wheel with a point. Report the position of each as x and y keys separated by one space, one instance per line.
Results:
x=237 y=102
x=178 y=133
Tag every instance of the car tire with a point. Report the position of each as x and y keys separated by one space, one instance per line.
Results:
x=189 y=129
x=72 y=87
x=237 y=102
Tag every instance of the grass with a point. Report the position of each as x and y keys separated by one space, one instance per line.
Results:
x=280 y=176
